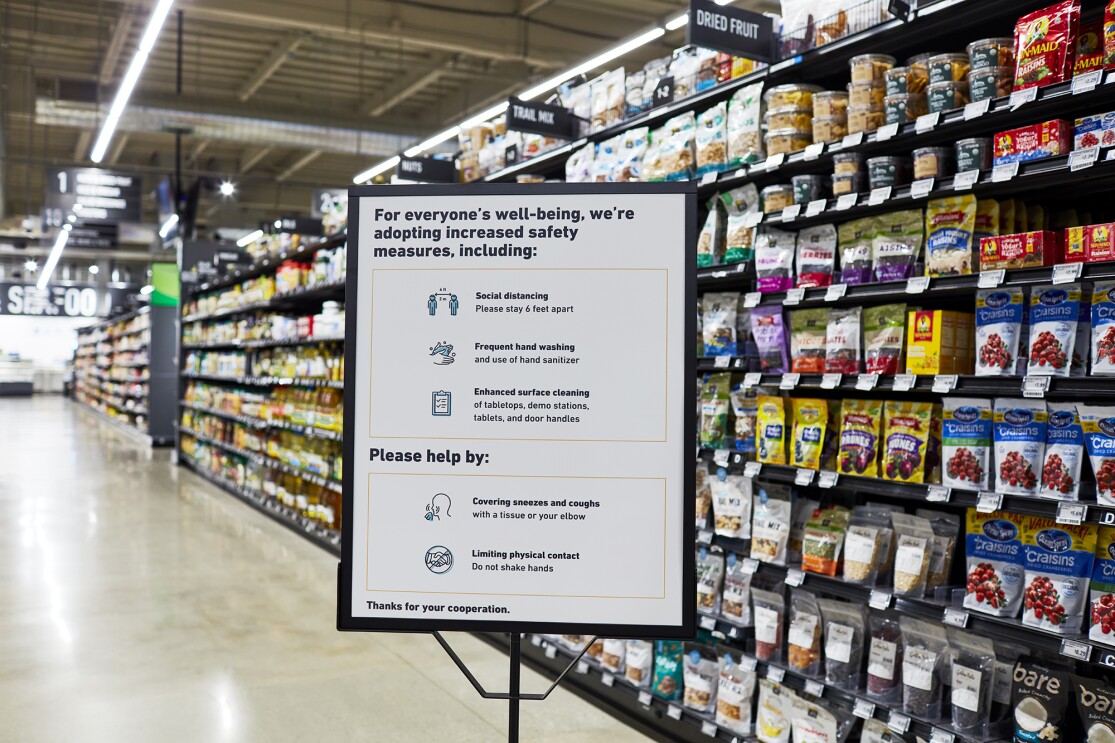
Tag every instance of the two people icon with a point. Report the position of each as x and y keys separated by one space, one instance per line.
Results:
x=435 y=299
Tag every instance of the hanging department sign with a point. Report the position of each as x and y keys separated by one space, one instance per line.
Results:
x=91 y=194
x=519 y=409
x=540 y=118
x=732 y=30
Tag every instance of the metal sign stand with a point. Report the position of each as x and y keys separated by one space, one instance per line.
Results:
x=513 y=695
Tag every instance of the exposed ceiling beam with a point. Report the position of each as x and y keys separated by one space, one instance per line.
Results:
x=115 y=46
x=252 y=157
x=273 y=62
x=118 y=148
x=81 y=147
x=533 y=7
x=416 y=81
x=199 y=149
x=298 y=164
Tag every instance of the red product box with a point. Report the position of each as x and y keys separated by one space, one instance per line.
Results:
x=1034 y=142
x=1074 y=245
x=1022 y=250
x=1098 y=244
x=1089 y=49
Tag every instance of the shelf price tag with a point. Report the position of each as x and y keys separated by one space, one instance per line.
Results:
x=776 y=674
x=814 y=688
x=835 y=292
x=815 y=207
x=536 y=641
x=708 y=623
x=750 y=565
x=988 y=502
x=879 y=600
x=955 y=617
x=830 y=381
x=813 y=151
x=751 y=379
x=748 y=663
x=752 y=469
x=794 y=296
x=917 y=284
x=991 y=279
x=709 y=178
x=1034 y=386
x=1022 y=97
x=645 y=698
x=753 y=219
x=1066 y=273
x=920 y=189
x=804 y=477
x=852 y=140
x=704 y=536
x=938 y=493
x=673 y=712
x=1003 y=173
x=775 y=161
x=927 y=122
x=1081 y=159
x=582 y=666
x=866 y=382
x=879 y=195
x=827 y=479
x=720 y=457
x=941 y=736
x=733 y=632
x=846 y=201
x=737 y=458
x=551 y=652
x=791 y=212
x=710 y=729
x=885 y=132
x=789 y=381
x=976 y=109
x=794 y=577
x=1087 y=82
x=1071 y=513
x=904 y=382
x=1076 y=649
x=944 y=383
x=898 y=722
x=752 y=299
x=721 y=362
x=964 y=180
x=864 y=709
x=608 y=679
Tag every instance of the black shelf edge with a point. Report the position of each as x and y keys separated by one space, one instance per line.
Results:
x=312 y=293
x=268 y=264
x=265 y=460
x=126 y=428
x=246 y=344
x=311 y=432
x=328 y=539
x=267 y=381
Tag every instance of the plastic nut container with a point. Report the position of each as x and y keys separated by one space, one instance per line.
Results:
x=870 y=68
x=987 y=53
x=906 y=80
x=948 y=68
x=847 y=163
x=808 y=188
x=921 y=62
x=905 y=107
x=990 y=82
x=790 y=117
x=865 y=118
x=947 y=95
x=933 y=162
x=787 y=140
x=845 y=184
x=888 y=171
x=829 y=129
x=865 y=94
x=776 y=198
x=794 y=94
x=830 y=103
x=973 y=154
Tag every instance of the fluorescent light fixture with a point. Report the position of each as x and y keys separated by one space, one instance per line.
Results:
x=168 y=225
x=250 y=238
x=375 y=170
x=131 y=77
x=147 y=289
x=67 y=227
x=484 y=116
x=433 y=141
x=591 y=64
x=675 y=23
x=228 y=188
x=52 y=259
x=94 y=269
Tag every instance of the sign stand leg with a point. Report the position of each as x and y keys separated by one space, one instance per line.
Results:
x=513 y=689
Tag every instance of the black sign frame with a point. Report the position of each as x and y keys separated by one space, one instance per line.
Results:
x=426 y=169
x=743 y=33
x=546 y=119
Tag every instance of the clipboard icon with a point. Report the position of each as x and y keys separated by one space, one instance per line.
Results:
x=441 y=403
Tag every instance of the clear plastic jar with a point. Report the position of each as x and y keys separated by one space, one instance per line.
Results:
x=846 y=184
x=830 y=103
x=947 y=95
x=776 y=198
x=866 y=94
x=788 y=117
x=906 y=80
x=793 y=94
x=987 y=53
x=870 y=68
x=847 y=163
x=808 y=188
x=933 y=162
x=829 y=128
x=905 y=107
x=990 y=82
x=921 y=62
x=948 y=68
x=865 y=118
x=787 y=140
x=973 y=154
x=888 y=171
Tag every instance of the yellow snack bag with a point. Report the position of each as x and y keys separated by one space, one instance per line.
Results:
x=810 y=422
x=771 y=433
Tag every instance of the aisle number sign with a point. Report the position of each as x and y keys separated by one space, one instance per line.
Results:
x=519 y=411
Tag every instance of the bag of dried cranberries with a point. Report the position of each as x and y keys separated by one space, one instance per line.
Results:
x=1099 y=438
x=1058 y=560
x=1054 y=315
x=966 y=441
x=1102 y=588
x=1019 y=444
x=1103 y=328
x=994 y=549
x=1064 y=450
x=999 y=316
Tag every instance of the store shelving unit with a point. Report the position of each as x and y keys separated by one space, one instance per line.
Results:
x=124 y=369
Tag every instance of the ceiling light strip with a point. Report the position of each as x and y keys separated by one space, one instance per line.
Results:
x=52 y=259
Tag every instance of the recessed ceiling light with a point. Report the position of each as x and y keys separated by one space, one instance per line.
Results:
x=228 y=188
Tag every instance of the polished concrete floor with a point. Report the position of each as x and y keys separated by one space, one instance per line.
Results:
x=139 y=603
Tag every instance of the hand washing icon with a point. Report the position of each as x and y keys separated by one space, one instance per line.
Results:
x=443 y=353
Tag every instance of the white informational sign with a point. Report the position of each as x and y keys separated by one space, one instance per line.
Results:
x=519 y=409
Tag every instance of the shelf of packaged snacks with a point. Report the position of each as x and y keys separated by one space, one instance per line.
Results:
x=327 y=539
x=268 y=381
x=259 y=423
x=266 y=461
x=1053 y=101
x=225 y=312
x=1059 y=387
x=119 y=424
x=312 y=293
x=114 y=402
x=934 y=22
x=268 y=265
x=266 y=343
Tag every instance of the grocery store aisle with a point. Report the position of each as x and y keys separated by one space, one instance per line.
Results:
x=143 y=604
